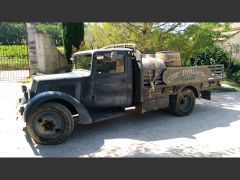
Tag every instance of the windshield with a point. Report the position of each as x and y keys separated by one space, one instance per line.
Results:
x=83 y=62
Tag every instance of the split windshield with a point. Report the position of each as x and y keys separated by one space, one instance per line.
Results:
x=83 y=62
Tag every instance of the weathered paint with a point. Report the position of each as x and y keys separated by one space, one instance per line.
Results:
x=182 y=75
x=145 y=83
x=171 y=58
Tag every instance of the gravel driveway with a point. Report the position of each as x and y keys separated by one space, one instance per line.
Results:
x=212 y=130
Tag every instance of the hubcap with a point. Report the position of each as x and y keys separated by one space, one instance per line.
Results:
x=49 y=124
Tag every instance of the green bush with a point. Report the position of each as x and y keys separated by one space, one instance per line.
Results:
x=14 y=51
x=216 y=55
x=236 y=76
x=211 y=55
x=14 y=57
x=13 y=33
x=233 y=71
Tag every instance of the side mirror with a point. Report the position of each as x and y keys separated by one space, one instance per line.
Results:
x=73 y=59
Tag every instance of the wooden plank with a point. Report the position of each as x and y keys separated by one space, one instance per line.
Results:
x=183 y=75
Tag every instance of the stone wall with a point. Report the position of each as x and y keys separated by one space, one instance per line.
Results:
x=44 y=56
x=234 y=41
x=50 y=59
x=31 y=31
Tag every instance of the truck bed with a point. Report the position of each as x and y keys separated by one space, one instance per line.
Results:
x=156 y=90
x=182 y=75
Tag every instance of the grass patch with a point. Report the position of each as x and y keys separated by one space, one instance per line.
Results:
x=14 y=57
x=231 y=84
x=61 y=49
x=14 y=51
x=26 y=80
x=228 y=85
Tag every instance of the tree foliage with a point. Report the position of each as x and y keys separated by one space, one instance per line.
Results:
x=16 y=33
x=73 y=35
x=13 y=33
x=210 y=56
x=146 y=35
x=189 y=39
x=197 y=38
x=53 y=29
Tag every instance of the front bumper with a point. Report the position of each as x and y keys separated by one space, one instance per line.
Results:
x=22 y=103
x=20 y=108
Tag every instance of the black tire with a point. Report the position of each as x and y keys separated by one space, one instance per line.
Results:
x=51 y=123
x=183 y=104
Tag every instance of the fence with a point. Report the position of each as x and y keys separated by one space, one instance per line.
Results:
x=14 y=57
x=14 y=61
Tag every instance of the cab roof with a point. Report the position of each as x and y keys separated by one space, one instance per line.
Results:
x=101 y=50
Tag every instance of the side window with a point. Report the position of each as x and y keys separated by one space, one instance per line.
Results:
x=110 y=62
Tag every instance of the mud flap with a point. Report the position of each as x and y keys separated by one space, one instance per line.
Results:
x=206 y=95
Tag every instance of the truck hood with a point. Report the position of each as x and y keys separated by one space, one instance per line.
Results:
x=69 y=75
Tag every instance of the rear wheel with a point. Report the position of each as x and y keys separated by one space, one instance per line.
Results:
x=51 y=123
x=183 y=104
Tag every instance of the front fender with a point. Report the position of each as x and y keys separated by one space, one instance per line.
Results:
x=84 y=116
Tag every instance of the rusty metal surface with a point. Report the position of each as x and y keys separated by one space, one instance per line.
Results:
x=93 y=90
x=217 y=71
x=171 y=58
x=183 y=75
x=113 y=89
x=144 y=78
x=123 y=45
x=155 y=104
x=151 y=63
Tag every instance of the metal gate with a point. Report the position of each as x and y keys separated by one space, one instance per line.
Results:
x=14 y=55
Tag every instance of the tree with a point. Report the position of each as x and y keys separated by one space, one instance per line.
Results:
x=13 y=33
x=147 y=36
x=198 y=37
x=210 y=56
x=73 y=35
x=188 y=39
x=89 y=38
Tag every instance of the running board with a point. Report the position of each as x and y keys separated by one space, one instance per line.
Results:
x=106 y=115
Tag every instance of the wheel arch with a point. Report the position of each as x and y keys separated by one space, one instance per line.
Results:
x=68 y=101
x=193 y=87
x=175 y=100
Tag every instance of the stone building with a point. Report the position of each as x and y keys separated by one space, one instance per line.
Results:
x=232 y=44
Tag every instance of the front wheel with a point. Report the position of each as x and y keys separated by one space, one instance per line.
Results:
x=51 y=123
x=183 y=104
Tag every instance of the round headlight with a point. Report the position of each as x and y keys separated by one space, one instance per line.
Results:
x=24 y=88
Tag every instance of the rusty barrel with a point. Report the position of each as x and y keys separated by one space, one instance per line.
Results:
x=170 y=58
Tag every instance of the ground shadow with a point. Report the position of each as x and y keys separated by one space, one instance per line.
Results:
x=152 y=126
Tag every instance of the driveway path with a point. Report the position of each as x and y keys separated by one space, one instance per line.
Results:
x=212 y=130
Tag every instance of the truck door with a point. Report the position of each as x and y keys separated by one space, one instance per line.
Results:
x=110 y=79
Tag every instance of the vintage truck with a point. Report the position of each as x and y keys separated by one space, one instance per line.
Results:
x=103 y=84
